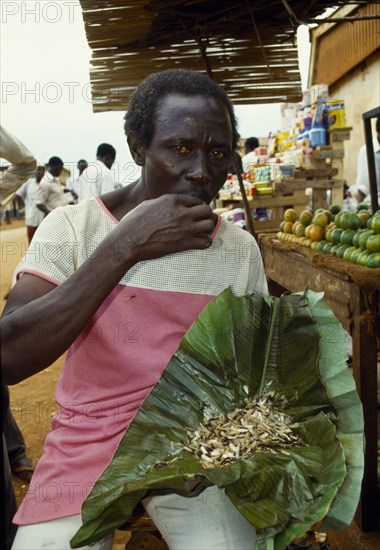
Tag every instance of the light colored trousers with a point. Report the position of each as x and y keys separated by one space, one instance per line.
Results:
x=207 y=522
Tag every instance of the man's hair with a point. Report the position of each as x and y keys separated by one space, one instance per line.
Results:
x=251 y=143
x=81 y=161
x=55 y=161
x=105 y=149
x=140 y=116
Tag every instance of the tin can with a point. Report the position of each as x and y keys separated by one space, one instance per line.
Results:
x=336 y=114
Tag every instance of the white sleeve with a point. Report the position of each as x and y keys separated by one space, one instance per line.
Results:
x=89 y=182
x=362 y=180
x=42 y=192
x=21 y=191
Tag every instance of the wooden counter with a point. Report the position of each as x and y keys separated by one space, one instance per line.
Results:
x=355 y=301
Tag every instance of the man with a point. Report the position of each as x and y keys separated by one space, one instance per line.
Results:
x=361 y=188
x=73 y=185
x=27 y=195
x=50 y=193
x=250 y=156
x=121 y=279
x=97 y=178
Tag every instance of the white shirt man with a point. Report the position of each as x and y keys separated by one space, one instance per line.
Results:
x=28 y=193
x=362 y=176
x=73 y=185
x=97 y=179
x=50 y=193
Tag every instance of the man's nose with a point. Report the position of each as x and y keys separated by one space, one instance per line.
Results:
x=199 y=171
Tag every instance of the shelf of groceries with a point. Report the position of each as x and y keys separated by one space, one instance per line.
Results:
x=300 y=166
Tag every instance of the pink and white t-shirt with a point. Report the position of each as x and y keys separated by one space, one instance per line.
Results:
x=120 y=355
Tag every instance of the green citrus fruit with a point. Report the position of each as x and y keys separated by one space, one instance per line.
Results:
x=328 y=214
x=369 y=221
x=373 y=260
x=355 y=240
x=363 y=238
x=355 y=255
x=362 y=259
x=335 y=248
x=335 y=235
x=334 y=209
x=299 y=229
x=373 y=243
x=305 y=217
x=348 y=252
x=362 y=206
x=341 y=250
x=347 y=236
x=375 y=224
x=327 y=248
x=337 y=219
x=320 y=245
x=290 y=215
x=320 y=219
x=363 y=218
x=350 y=221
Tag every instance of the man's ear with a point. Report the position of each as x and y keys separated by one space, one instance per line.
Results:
x=137 y=150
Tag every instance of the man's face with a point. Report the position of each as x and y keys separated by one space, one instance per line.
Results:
x=40 y=171
x=191 y=148
x=82 y=166
x=55 y=169
x=108 y=161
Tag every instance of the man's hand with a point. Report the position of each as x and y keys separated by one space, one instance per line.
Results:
x=169 y=224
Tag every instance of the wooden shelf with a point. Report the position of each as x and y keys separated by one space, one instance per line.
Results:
x=324 y=154
x=315 y=183
x=267 y=201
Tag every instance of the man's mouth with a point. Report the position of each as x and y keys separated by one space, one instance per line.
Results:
x=201 y=194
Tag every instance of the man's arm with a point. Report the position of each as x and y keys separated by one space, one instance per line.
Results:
x=19 y=200
x=43 y=208
x=37 y=325
x=41 y=197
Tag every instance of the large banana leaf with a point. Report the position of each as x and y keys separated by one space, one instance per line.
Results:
x=294 y=342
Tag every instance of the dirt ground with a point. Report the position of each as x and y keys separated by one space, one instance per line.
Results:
x=33 y=405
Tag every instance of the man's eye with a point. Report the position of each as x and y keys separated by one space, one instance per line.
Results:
x=180 y=149
x=218 y=155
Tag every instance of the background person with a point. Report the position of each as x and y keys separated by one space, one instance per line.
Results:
x=360 y=190
x=27 y=196
x=144 y=260
x=50 y=193
x=250 y=156
x=73 y=185
x=97 y=178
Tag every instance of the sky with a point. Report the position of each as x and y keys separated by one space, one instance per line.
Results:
x=46 y=94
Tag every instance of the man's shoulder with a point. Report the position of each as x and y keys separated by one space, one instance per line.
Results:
x=229 y=231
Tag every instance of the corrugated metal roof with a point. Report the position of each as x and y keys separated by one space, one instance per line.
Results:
x=249 y=47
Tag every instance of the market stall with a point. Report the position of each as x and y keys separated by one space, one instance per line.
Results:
x=300 y=167
x=353 y=293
